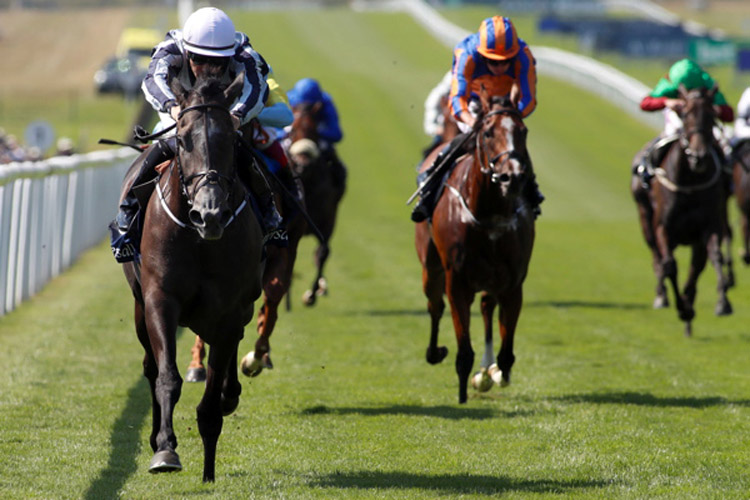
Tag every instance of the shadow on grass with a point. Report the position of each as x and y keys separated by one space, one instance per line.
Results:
x=126 y=444
x=447 y=412
x=646 y=399
x=452 y=484
x=568 y=304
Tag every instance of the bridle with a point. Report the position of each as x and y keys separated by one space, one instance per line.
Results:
x=489 y=166
x=206 y=177
x=209 y=176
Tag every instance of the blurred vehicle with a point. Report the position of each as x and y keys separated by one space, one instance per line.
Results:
x=124 y=72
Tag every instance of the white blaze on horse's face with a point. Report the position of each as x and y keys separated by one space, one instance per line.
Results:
x=512 y=167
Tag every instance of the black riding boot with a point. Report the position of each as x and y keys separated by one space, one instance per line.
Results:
x=429 y=183
x=158 y=153
x=258 y=185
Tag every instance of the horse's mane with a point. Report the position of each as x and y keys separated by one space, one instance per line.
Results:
x=502 y=100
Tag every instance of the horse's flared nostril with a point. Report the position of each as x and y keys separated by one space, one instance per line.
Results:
x=195 y=218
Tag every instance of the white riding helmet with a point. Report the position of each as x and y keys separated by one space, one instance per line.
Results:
x=209 y=32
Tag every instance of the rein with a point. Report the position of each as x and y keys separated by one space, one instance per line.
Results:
x=209 y=176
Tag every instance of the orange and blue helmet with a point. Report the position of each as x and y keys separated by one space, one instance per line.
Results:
x=497 y=38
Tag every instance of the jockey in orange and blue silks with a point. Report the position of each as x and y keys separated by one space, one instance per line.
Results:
x=496 y=58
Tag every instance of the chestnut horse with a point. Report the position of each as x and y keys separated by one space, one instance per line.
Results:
x=323 y=177
x=741 y=173
x=480 y=238
x=201 y=268
x=686 y=205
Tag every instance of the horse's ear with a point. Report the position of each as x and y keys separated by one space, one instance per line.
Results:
x=178 y=90
x=515 y=95
x=682 y=91
x=317 y=107
x=484 y=97
x=235 y=88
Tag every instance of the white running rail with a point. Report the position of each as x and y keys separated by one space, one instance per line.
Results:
x=50 y=212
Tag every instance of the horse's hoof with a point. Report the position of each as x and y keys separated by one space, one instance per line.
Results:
x=723 y=309
x=251 y=367
x=481 y=381
x=497 y=376
x=322 y=287
x=746 y=258
x=308 y=298
x=436 y=356
x=196 y=375
x=661 y=302
x=165 y=461
x=228 y=405
x=688 y=329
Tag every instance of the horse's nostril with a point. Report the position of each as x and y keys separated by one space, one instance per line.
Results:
x=196 y=218
x=504 y=177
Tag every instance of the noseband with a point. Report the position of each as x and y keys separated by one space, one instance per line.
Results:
x=490 y=165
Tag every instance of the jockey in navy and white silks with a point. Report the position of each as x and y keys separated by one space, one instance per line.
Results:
x=171 y=58
x=308 y=91
x=207 y=46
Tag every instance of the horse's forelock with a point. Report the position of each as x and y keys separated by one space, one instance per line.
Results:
x=209 y=89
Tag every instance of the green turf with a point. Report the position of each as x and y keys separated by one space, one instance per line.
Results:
x=608 y=400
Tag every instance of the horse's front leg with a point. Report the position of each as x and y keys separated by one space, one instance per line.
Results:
x=645 y=218
x=723 y=307
x=510 y=310
x=196 y=372
x=319 y=285
x=483 y=379
x=276 y=281
x=221 y=395
x=433 y=285
x=161 y=323
x=150 y=370
x=669 y=269
x=460 y=298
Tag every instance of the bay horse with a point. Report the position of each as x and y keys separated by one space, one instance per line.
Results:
x=741 y=175
x=686 y=205
x=323 y=178
x=200 y=268
x=480 y=238
x=277 y=278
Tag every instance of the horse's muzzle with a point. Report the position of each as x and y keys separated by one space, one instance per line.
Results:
x=210 y=213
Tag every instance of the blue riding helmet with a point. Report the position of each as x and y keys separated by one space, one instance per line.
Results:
x=304 y=91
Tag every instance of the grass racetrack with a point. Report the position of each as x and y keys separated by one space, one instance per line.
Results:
x=608 y=400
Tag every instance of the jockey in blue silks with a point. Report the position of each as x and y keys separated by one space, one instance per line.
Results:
x=307 y=91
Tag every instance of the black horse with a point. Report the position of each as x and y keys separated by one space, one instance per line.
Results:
x=686 y=205
x=201 y=267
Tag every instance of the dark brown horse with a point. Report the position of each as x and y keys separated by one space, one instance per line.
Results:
x=323 y=177
x=686 y=206
x=277 y=278
x=741 y=173
x=481 y=238
x=200 y=268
